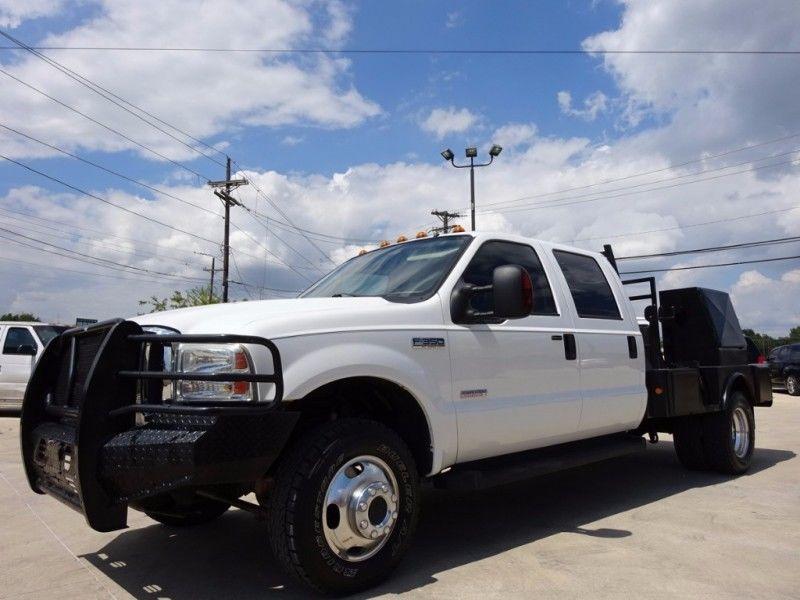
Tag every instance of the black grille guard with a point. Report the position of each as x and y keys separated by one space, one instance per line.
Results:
x=83 y=443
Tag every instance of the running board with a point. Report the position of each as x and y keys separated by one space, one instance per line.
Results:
x=500 y=470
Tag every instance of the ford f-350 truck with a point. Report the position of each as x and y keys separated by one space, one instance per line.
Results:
x=464 y=360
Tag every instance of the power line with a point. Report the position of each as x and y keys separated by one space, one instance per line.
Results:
x=652 y=172
x=99 y=90
x=90 y=195
x=729 y=264
x=103 y=125
x=61 y=234
x=110 y=171
x=583 y=200
x=270 y=252
x=98 y=261
x=421 y=51
x=91 y=273
x=784 y=240
x=687 y=226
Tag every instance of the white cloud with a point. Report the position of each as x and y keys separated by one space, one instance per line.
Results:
x=205 y=93
x=444 y=121
x=292 y=140
x=769 y=302
x=593 y=105
x=514 y=135
x=14 y=12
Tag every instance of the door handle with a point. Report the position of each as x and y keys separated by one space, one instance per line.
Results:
x=570 y=349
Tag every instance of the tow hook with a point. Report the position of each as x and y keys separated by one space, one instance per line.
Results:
x=653 y=437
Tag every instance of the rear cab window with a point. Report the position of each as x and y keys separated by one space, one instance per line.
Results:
x=588 y=285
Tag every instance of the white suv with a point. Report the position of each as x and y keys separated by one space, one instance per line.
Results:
x=21 y=343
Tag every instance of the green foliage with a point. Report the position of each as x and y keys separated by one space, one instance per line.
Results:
x=766 y=342
x=198 y=296
x=19 y=317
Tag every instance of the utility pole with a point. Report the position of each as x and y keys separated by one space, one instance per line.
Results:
x=227 y=200
x=212 y=270
x=444 y=217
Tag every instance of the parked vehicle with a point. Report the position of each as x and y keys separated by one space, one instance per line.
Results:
x=22 y=343
x=464 y=360
x=784 y=367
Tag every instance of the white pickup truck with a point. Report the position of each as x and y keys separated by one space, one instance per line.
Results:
x=464 y=360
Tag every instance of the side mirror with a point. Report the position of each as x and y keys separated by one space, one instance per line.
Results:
x=513 y=292
x=26 y=349
x=512 y=297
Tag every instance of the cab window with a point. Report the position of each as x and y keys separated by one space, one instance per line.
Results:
x=16 y=337
x=481 y=268
x=588 y=285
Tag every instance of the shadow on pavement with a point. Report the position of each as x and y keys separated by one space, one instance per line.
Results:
x=230 y=557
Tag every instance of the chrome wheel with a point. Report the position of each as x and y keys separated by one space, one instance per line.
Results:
x=791 y=386
x=740 y=432
x=360 y=508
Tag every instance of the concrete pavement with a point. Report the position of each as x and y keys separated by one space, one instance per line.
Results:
x=637 y=526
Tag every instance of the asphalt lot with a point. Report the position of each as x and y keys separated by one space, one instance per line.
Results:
x=637 y=526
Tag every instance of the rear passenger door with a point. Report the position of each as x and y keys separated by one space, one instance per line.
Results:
x=609 y=347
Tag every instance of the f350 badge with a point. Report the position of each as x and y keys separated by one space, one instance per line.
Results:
x=427 y=342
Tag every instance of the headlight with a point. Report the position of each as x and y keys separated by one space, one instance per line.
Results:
x=213 y=358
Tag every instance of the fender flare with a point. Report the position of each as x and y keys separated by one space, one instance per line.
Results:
x=734 y=379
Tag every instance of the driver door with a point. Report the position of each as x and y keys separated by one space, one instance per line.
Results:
x=514 y=386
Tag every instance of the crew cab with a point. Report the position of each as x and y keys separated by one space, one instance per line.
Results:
x=21 y=343
x=784 y=365
x=463 y=361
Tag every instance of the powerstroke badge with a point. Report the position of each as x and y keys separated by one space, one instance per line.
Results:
x=466 y=394
x=425 y=342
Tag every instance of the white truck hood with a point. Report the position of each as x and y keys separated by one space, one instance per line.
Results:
x=296 y=316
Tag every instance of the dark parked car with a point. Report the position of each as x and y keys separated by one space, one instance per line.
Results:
x=784 y=367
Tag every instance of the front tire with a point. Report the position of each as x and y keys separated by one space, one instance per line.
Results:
x=729 y=436
x=344 y=506
x=793 y=385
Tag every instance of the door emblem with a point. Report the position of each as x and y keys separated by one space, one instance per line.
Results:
x=467 y=394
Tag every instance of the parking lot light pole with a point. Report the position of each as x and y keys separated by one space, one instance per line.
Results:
x=471 y=154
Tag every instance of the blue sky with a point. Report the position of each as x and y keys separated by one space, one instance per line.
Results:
x=348 y=145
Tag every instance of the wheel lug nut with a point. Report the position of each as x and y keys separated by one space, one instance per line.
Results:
x=386 y=531
x=394 y=516
x=384 y=488
x=394 y=498
x=362 y=507
x=372 y=491
x=374 y=534
x=363 y=524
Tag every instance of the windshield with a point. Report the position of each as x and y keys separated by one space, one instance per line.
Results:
x=407 y=272
x=48 y=332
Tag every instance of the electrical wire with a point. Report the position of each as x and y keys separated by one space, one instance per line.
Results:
x=652 y=172
x=728 y=264
x=104 y=126
x=110 y=171
x=422 y=51
x=97 y=89
x=90 y=195
x=784 y=240
x=793 y=162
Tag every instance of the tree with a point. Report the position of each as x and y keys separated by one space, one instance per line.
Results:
x=198 y=296
x=19 y=317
